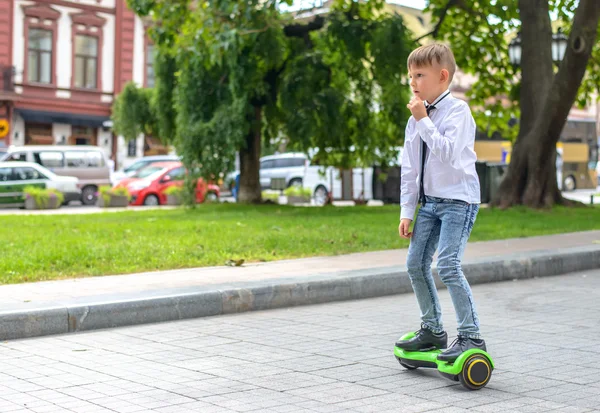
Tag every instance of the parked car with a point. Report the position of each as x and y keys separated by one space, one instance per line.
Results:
x=87 y=163
x=15 y=176
x=290 y=166
x=140 y=163
x=148 y=185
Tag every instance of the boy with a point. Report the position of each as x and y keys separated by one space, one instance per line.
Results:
x=438 y=170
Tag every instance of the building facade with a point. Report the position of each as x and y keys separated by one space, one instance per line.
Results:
x=63 y=62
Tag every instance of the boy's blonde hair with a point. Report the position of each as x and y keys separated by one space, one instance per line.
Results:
x=438 y=52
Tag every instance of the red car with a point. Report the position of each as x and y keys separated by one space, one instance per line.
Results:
x=147 y=186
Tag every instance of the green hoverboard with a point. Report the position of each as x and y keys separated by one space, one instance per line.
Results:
x=473 y=368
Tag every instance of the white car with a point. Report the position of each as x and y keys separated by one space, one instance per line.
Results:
x=138 y=164
x=15 y=176
x=289 y=166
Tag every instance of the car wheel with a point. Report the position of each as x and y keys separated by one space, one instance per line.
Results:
x=88 y=195
x=211 y=197
x=569 y=183
x=321 y=196
x=151 y=200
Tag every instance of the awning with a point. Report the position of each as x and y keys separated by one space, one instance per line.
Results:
x=38 y=116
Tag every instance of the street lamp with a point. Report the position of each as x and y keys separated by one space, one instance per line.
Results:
x=559 y=46
x=514 y=50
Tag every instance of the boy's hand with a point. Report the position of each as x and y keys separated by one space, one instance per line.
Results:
x=417 y=108
x=404 y=227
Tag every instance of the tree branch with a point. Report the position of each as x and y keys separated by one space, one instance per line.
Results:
x=438 y=26
x=303 y=30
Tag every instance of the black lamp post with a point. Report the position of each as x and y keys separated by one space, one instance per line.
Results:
x=559 y=46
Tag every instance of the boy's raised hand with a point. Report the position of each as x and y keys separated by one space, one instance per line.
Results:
x=417 y=108
x=404 y=227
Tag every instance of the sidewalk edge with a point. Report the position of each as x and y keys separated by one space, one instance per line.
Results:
x=351 y=286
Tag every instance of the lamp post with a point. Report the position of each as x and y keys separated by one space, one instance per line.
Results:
x=559 y=46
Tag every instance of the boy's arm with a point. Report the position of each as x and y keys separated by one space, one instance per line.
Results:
x=409 y=192
x=460 y=131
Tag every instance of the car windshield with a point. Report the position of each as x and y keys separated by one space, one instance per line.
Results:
x=136 y=166
x=147 y=171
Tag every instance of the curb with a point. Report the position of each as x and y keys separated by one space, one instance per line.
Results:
x=61 y=318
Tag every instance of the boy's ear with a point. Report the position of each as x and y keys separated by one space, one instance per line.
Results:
x=444 y=75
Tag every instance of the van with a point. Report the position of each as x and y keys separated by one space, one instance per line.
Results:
x=87 y=163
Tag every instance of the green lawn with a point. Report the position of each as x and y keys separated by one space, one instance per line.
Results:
x=60 y=246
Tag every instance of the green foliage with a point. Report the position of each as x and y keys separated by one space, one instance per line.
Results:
x=134 y=113
x=106 y=192
x=296 y=190
x=174 y=190
x=479 y=33
x=270 y=195
x=42 y=196
x=226 y=69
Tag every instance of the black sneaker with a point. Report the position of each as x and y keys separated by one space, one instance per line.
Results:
x=424 y=340
x=459 y=346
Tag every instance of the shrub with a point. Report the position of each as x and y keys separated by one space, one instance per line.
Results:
x=42 y=196
x=106 y=192
x=299 y=191
x=174 y=190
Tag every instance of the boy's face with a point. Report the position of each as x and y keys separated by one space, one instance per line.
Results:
x=428 y=82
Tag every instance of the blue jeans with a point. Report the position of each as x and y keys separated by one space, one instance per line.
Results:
x=448 y=223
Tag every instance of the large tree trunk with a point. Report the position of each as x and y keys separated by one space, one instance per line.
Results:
x=250 y=162
x=545 y=101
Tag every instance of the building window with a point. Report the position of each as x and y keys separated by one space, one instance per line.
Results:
x=40 y=27
x=86 y=61
x=39 y=55
x=132 y=148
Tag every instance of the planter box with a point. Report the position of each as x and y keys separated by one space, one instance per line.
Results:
x=173 y=199
x=293 y=200
x=115 y=201
x=52 y=204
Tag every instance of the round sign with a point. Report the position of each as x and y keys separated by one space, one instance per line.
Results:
x=4 y=127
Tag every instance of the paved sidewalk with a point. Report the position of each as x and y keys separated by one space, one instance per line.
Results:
x=335 y=357
x=55 y=307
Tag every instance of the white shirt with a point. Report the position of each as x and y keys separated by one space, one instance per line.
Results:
x=449 y=133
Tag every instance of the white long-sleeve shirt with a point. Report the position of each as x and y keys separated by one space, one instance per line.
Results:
x=449 y=133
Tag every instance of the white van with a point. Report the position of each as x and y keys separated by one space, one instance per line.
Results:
x=87 y=163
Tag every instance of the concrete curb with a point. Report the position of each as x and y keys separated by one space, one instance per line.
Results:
x=148 y=307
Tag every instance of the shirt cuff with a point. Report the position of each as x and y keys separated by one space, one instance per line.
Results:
x=408 y=213
x=424 y=127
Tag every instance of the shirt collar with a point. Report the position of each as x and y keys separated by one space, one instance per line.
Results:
x=444 y=101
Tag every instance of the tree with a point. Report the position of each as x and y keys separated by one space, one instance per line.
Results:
x=241 y=72
x=479 y=33
x=134 y=112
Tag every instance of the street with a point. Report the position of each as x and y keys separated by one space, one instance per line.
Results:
x=542 y=334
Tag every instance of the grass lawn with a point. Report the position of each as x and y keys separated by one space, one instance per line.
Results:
x=47 y=247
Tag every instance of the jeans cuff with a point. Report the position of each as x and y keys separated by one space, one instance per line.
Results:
x=434 y=330
x=473 y=336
